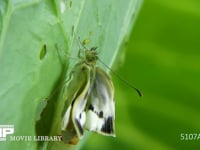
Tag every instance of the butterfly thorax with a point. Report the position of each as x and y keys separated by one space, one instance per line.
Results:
x=91 y=56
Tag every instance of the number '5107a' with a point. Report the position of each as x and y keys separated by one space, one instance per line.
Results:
x=189 y=136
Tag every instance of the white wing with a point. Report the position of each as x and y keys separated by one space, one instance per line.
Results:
x=77 y=94
x=100 y=113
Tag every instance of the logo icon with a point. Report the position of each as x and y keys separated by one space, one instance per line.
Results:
x=5 y=130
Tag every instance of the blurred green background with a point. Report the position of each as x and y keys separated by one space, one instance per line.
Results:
x=163 y=60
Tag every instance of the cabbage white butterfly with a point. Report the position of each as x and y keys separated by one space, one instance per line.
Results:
x=89 y=100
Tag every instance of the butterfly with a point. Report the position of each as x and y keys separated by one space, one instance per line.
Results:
x=89 y=100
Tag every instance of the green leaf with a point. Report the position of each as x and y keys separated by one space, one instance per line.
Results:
x=34 y=38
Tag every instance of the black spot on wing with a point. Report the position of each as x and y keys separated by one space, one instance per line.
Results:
x=80 y=116
x=108 y=126
x=91 y=107
x=80 y=128
x=101 y=114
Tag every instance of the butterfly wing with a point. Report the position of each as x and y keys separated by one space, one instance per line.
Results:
x=76 y=98
x=100 y=112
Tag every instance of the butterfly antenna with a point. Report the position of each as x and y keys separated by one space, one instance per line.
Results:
x=118 y=76
x=78 y=40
